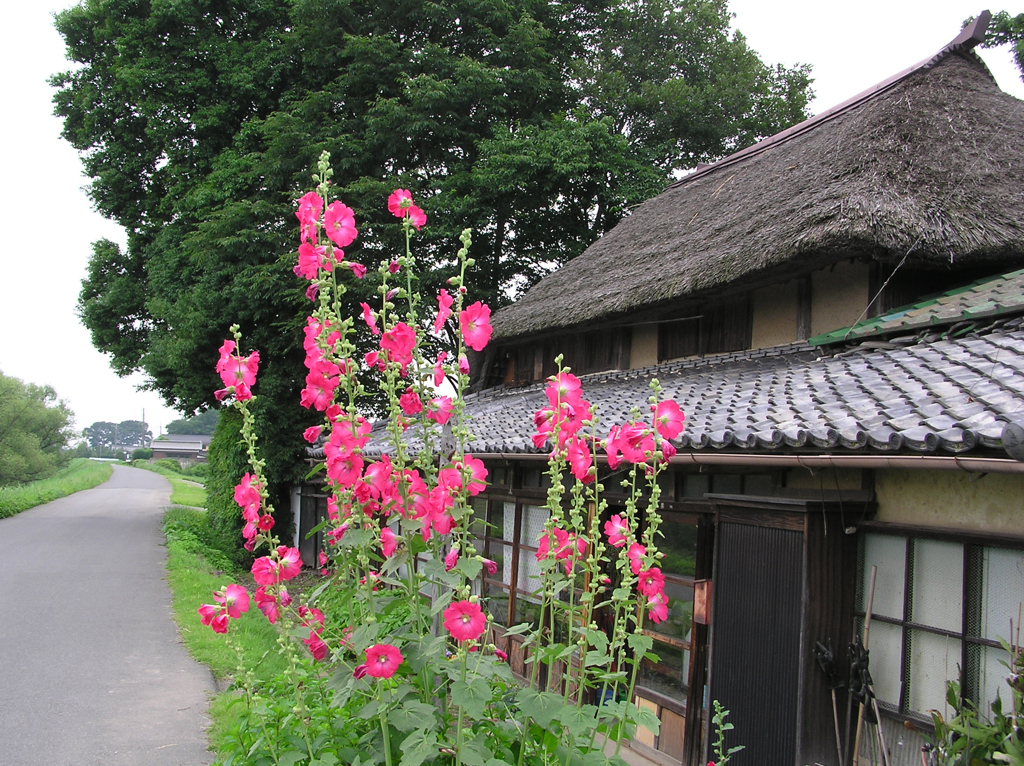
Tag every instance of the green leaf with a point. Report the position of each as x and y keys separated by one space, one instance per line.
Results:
x=413 y=715
x=369 y=710
x=418 y=747
x=441 y=602
x=645 y=717
x=291 y=758
x=578 y=721
x=469 y=567
x=639 y=643
x=364 y=636
x=472 y=696
x=542 y=707
x=596 y=658
x=475 y=752
x=518 y=629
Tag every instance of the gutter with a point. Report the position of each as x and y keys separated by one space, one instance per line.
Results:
x=905 y=462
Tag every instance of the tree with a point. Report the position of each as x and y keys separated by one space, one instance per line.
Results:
x=537 y=124
x=1005 y=29
x=35 y=427
x=202 y=424
x=133 y=433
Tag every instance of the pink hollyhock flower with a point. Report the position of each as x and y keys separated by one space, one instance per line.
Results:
x=563 y=388
x=359 y=671
x=308 y=214
x=388 y=542
x=580 y=460
x=668 y=450
x=321 y=382
x=358 y=269
x=474 y=322
x=334 y=536
x=266 y=522
x=237 y=370
x=444 y=310
x=410 y=402
x=635 y=553
x=265 y=571
x=464 y=365
x=399 y=342
x=290 y=561
x=247 y=494
x=312 y=291
x=501 y=655
x=311 y=615
x=451 y=559
x=312 y=433
x=490 y=566
x=316 y=645
x=438 y=368
x=370 y=318
x=440 y=409
x=477 y=474
x=650 y=581
x=340 y=224
x=311 y=260
x=382 y=660
x=669 y=419
x=443 y=524
x=636 y=442
x=465 y=621
x=267 y=604
x=343 y=468
x=657 y=607
x=399 y=202
x=214 y=616
x=417 y=217
x=394 y=267
x=617 y=530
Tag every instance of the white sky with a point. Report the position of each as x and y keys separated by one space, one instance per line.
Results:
x=49 y=224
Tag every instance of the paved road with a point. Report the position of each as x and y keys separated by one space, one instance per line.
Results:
x=91 y=667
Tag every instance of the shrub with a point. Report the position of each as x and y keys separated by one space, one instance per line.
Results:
x=199 y=469
x=142 y=453
x=170 y=464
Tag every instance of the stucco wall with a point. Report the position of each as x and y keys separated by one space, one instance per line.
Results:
x=774 y=312
x=838 y=296
x=643 y=351
x=991 y=503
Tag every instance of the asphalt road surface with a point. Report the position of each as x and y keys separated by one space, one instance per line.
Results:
x=92 y=670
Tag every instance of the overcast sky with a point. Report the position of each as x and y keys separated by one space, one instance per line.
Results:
x=49 y=224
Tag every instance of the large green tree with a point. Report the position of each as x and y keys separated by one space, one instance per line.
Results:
x=1005 y=29
x=536 y=123
x=35 y=427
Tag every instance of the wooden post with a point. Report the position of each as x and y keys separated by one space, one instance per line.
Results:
x=867 y=633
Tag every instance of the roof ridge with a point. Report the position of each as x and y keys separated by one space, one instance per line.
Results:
x=963 y=44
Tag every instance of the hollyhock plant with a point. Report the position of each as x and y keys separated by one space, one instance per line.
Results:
x=474 y=323
x=403 y=541
x=465 y=621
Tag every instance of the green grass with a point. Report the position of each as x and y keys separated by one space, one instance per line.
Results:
x=80 y=474
x=195 y=570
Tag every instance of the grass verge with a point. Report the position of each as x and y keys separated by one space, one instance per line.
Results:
x=195 y=569
x=80 y=474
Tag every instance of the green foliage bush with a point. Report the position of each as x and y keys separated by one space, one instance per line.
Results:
x=199 y=469
x=226 y=465
x=141 y=453
x=170 y=464
x=35 y=427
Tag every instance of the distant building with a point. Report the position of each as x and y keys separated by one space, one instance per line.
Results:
x=188 y=448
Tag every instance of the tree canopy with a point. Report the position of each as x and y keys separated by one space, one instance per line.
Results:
x=104 y=437
x=35 y=427
x=202 y=424
x=537 y=124
x=1005 y=29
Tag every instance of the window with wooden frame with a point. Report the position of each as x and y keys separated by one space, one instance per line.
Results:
x=669 y=676
x=939 y=608
x=713 y=328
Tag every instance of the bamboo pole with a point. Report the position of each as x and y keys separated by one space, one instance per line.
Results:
x=867 y=633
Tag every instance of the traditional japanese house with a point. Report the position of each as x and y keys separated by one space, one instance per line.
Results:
x=838 y=310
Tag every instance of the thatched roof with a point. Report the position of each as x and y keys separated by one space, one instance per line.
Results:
x=929 y=163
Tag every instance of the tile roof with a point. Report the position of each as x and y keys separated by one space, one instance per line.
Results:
x=983 y=299
x=932 y=395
